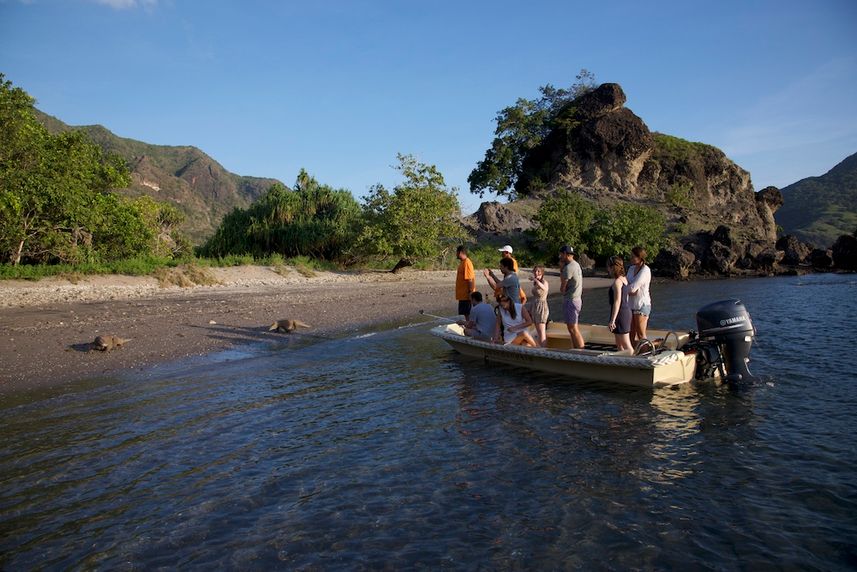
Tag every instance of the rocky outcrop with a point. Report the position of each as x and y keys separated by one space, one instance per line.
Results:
x=821 y=259
x=794 y=250
x=768 y=201
x=596 y=145
x=602 y=151
x=675 y=263
x=844 y=252
x=498 y=218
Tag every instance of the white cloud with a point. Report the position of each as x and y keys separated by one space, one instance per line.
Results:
x=129 y=4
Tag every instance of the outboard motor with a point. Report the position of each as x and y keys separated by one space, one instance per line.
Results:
x=725 y=336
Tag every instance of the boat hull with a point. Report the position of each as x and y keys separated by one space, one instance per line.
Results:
x=668 y=368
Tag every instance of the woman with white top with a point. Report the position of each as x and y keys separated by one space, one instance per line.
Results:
x=639 y=280
x=513 y=319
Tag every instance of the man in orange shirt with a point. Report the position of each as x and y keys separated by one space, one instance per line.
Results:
x=465 y=282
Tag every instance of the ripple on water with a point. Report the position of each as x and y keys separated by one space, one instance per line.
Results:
x=390 y=450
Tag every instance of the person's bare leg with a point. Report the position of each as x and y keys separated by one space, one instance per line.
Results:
x=541 y=330
x=576 y=336
x=642 y=325
x=635 y=329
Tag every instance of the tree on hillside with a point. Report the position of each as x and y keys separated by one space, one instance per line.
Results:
x=311 y=220
x=618 y=229
x=520 y=128
x=418 y=219
x=56 y=203
x=564 y=218
x=568 y=218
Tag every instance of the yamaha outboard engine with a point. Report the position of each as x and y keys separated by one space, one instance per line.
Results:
x=725 y=336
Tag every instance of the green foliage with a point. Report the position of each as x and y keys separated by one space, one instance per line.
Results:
x=565 y=218
x=677 y=149
x=313 y=220
x=821 y=209
x=679 y=195
x=520 y=128
x=56 y=204
x=418 y=219
x=568 y=218
x=135 y=266
x=618 y=229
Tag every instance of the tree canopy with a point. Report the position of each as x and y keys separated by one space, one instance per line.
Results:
x=56 y=203
x=568 y=218
x=311 y=220
x=418 y=219
x=520 y=128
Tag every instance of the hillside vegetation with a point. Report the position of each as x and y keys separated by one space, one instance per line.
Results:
x=202 y=189
x=821 y=209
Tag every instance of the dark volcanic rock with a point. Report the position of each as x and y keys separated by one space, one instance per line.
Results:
x=497 y=218
x=586 y=264
x=595 y=143
x=673 y=263
x=844 y=252
x=720 y=259
x=821 y=259
x=794 y=251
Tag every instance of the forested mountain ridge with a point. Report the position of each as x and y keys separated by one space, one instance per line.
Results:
x=182 y=175
x=821 y=209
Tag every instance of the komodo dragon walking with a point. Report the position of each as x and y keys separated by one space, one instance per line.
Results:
x=287 y=326
x=107 y=343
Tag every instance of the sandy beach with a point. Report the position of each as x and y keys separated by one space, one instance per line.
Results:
x=46 y=326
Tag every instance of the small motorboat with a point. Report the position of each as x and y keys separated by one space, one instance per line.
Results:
x=720 y=350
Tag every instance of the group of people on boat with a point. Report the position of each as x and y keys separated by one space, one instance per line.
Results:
x=509 y=322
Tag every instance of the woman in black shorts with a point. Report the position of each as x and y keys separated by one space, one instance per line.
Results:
x=620 y=309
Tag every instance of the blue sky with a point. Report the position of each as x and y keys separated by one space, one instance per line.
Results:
x=338 y=88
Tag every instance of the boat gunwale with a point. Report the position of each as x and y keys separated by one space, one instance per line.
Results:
x=573 y=355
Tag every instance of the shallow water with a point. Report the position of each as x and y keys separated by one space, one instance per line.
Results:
x=388 y=450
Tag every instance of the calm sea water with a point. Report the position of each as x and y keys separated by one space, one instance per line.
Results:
x=388 y=450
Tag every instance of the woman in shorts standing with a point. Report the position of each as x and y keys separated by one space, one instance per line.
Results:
x=639 y=280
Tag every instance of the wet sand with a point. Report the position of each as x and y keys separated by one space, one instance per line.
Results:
x=46 y=326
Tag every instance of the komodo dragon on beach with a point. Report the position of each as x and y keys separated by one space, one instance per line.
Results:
x=287 y=326
x=107 y=343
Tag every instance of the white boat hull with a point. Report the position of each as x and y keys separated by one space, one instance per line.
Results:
x=669 y=367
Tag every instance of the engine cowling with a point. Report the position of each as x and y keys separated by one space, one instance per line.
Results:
x=727 y=325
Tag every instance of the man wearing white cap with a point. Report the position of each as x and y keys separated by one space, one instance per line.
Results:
x=507 y=253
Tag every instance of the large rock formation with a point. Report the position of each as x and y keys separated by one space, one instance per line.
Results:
x=603 y=151
x=844 y=252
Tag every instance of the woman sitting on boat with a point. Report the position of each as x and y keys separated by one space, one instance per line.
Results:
x=513 y=319
x=620 y=309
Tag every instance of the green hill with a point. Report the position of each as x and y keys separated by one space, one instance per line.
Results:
x=821 y=209
x=185 y=176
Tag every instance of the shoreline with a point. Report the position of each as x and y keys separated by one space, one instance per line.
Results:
x=46 y=326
